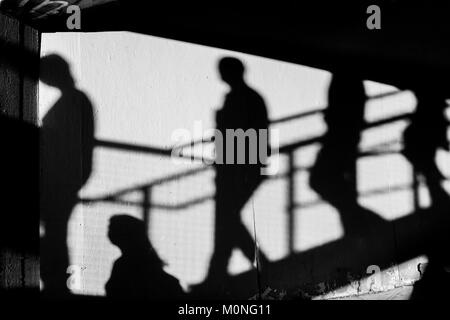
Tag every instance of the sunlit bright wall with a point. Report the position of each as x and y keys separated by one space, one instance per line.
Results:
x=144 y=88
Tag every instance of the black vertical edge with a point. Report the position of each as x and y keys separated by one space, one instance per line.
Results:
x=9 y=78
x=30 y=39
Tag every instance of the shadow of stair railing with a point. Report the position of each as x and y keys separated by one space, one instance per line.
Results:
x=397 y=240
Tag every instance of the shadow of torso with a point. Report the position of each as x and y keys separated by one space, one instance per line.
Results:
x=135 y=276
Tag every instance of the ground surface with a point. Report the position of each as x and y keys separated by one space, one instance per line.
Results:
x=402 y=293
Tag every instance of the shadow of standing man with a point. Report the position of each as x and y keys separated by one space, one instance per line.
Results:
x=66 y=147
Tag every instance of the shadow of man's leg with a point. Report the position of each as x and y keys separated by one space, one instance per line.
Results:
x=333 y=177
x=244 y=240
x=225 y=228
x=233 y=190
x=54 y=250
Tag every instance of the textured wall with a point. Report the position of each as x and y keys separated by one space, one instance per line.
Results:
x=144 y=88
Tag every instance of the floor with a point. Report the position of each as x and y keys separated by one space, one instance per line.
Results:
x=402 y=293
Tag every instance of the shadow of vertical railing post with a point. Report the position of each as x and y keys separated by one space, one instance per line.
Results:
x=291 y=201
x=415 y=190
x=289 y=150
x=147 y=190
x=146 y=205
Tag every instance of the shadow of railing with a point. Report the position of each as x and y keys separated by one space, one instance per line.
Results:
x=146 y=190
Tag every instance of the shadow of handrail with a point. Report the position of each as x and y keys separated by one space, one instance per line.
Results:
x=320 y=110
x=302 y=115
x=158 y=181
x=147 y=204
x=147 y=188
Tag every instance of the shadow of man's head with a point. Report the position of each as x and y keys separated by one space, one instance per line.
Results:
x=127 y=233
x=55 y=72
x=139 y=272
x=231 y=71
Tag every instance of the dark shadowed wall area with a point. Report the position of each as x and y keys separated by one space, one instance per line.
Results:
x=19 y=237
x=144 y=95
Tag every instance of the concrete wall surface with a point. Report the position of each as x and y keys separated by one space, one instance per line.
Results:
x=144 y=89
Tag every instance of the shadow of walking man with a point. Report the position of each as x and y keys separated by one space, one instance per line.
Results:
x=333 y=175
x=426 y=134
x=238 y=168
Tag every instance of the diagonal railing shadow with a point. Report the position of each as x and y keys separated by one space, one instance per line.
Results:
x=328 y=252
x=288 y=150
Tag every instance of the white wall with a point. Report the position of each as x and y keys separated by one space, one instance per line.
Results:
x=144 y=88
